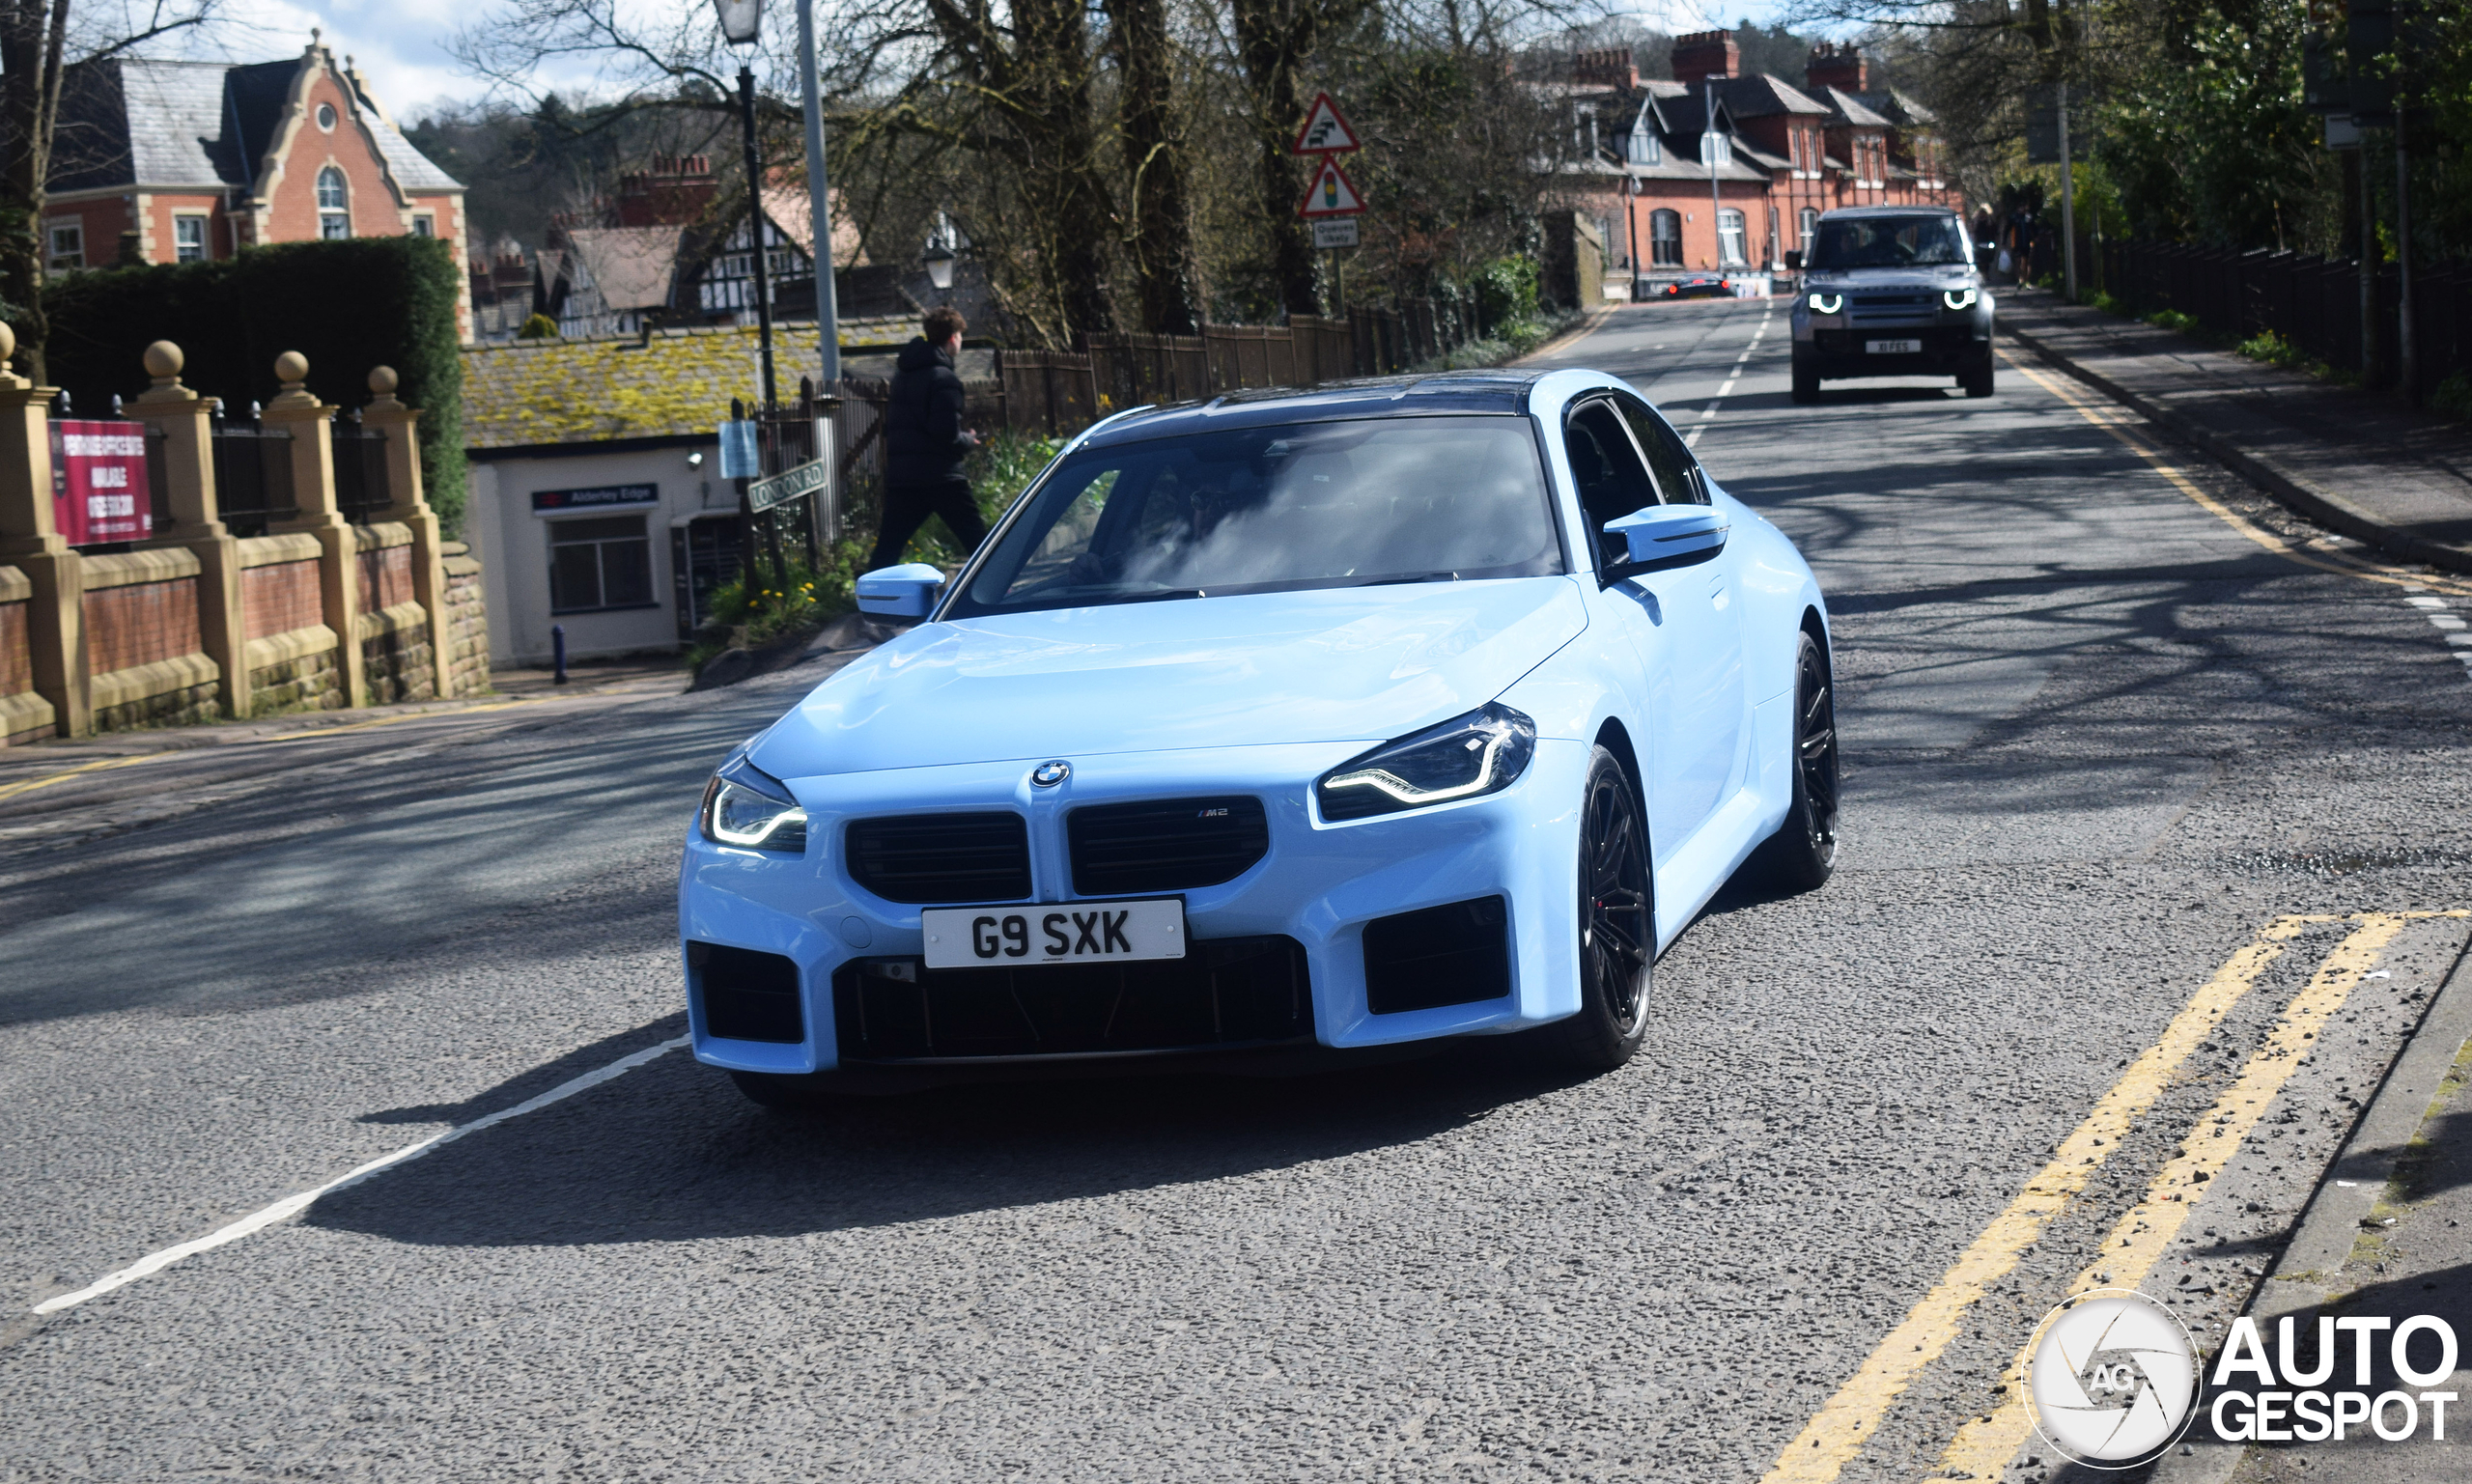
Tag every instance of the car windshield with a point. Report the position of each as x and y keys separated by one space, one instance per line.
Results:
x=1338 y=504
x=1889 y=242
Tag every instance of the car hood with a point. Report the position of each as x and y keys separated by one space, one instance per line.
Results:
x=1362 y=663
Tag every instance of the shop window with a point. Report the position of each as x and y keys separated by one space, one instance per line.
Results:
x=603 y=563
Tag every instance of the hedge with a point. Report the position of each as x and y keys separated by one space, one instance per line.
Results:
x=347 y=306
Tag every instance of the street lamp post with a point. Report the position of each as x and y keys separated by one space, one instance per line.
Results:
x=939 y=259
x=742 y=20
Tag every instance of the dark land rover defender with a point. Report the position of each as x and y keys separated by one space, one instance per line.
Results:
x=1892 y=291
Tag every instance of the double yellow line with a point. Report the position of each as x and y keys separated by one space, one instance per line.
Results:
x=1836 y=1433
x=2130 y=430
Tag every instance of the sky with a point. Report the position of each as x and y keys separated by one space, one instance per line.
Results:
x=400 y=46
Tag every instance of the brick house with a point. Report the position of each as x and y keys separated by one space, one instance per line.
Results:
x=1716 y=170
x=187 y=161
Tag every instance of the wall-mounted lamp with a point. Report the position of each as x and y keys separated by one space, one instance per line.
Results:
x=939 y=267
x=696 y=459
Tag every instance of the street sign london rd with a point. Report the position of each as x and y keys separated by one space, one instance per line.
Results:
x=1332 y=194
x=1325 y=132
x=781 y=489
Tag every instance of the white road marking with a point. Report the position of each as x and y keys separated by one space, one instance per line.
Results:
x=1691 y=439
x=293 y=1205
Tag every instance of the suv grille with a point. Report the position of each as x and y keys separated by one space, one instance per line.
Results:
x=942 y=858
x=1165 y=846
x=1227 y=993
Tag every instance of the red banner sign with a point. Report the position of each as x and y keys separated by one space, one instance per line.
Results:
x=98 y=485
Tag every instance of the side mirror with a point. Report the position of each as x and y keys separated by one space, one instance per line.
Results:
x=907 y=590
x=1794 y=261
x=1663 y=535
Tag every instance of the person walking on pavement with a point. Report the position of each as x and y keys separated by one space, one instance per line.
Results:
x=925 y=444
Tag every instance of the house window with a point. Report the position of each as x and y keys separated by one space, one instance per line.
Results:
x=1716 y=148
x=1665 y=239
x=1809 y=226
x=1644 y=149
x=607 y=563
x=188 y=238
x=334 y=205
x=424 y=225
x=1730 y=238
x=326 y=117
x=68 y=246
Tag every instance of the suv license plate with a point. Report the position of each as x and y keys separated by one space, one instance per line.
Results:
x=1892 y=346
x=1059 y=933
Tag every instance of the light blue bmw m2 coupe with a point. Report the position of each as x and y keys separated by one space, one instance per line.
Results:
x=1281 y=723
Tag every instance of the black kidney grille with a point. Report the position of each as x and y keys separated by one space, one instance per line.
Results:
x=1165 y=846
x=942 y=858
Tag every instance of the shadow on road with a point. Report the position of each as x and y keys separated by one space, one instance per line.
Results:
x=673 y=1153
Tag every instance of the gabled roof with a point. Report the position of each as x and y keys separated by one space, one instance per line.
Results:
x=135 y=122
x=1899 y=109
x=632 y=267
x=1846 y=108
x=1765 y=95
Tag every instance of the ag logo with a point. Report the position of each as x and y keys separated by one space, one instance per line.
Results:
x=2112 y=1378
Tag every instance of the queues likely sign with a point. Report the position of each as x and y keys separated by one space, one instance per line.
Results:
x=99 y=481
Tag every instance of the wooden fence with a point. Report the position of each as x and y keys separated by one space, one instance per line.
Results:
x=2312 y=301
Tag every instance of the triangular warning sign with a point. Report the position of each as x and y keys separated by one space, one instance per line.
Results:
x=1325 y=130
x=1332 y=194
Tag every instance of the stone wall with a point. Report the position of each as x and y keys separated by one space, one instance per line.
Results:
x=467 y=618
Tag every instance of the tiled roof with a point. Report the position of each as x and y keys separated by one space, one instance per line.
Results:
x=667 y=384
x=132 y=120
x=1846 y=108
x=1764 y=94
x=630 y=266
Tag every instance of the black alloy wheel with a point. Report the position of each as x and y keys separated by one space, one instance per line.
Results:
x=1803 y=852
x=1616 y=925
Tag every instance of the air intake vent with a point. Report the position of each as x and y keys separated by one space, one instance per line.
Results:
x=1454 y=955
x=942 y=858
x=1119 y=850
x=747 y=995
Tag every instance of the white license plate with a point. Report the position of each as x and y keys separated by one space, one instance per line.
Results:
x=1894 y=346
x=1057 y=932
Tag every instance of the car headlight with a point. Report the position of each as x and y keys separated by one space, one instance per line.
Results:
x=1958 y=298
x=1827 y=303
x=747 y=807
x=1481 y=752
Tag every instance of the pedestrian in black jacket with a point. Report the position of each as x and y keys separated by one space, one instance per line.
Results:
x=925 y=444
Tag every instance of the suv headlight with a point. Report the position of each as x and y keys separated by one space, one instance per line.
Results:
x=747 y=807
x=1827 y=303
x=1482 y=752
x=1957 y=299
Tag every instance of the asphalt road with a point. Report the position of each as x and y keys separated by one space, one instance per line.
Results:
x=2099 y=737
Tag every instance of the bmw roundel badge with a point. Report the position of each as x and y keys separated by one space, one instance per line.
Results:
x=1048 y=775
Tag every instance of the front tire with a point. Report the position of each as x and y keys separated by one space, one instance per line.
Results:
x=1976 y=379
x=1806 y=379
x=1802 y=854
x=1616 y=926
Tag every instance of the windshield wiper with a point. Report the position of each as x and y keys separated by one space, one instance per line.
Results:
x=1413 y=576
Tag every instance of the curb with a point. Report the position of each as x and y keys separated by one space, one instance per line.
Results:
x=2354 y=1181
x=2324 y=506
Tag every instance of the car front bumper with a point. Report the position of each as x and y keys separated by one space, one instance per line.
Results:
x=1318 y=887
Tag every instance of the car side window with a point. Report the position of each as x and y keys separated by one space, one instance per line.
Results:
x=1668 y=459
x=1612 y=480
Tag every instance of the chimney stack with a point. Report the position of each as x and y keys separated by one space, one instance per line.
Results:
x=1706 y=54
x=1837 y=65
x=1609 y=67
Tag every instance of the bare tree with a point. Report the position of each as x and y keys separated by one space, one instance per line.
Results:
x=40 y=40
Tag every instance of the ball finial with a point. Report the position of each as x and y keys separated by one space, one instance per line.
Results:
x=164 y=360
x=8 y=344
x=292 y=367
x=382 y=381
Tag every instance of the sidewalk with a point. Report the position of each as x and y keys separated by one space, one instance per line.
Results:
x=2358 y=462
x=2388 y=1234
